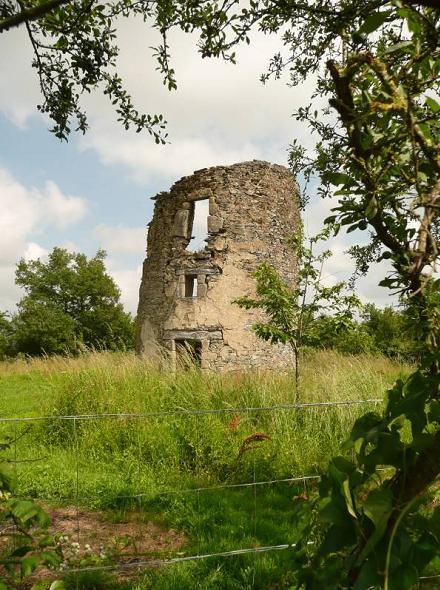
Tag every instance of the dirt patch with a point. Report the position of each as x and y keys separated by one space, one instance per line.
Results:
x=131 y=535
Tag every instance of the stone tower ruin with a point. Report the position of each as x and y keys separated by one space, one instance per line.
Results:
x=186 y=294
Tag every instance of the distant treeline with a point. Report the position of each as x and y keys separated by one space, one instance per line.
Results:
x=384 y=331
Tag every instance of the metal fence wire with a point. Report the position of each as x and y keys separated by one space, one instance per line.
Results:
x=77 y=502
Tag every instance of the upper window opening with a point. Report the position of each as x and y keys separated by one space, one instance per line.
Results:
x=190 y=285
x=199 y=231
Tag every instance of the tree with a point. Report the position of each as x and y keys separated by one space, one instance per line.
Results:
x=289 y=313
x=391 y=331
x=5 y=335
x=70 y=302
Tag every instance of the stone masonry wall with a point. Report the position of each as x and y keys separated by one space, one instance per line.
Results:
x=253 y=208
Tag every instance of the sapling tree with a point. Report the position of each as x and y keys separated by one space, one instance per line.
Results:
x=289 y=312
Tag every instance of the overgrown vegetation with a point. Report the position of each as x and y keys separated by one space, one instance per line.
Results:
x=160 y=457
x=381 y=158
x=386 y=331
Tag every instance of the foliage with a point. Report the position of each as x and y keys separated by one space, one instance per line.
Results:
x=70 y=301
x=382 y=153
x=391 y=330
x=26 y=543
x=348 y=337
x=384 y=157
x=290 y=311
x=5 y=335
x=75 y=45
x=75 y=52
x=386 y=331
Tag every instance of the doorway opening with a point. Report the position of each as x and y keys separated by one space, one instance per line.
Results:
x=189 y=353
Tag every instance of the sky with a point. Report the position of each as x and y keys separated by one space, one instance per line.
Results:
x=95 y=191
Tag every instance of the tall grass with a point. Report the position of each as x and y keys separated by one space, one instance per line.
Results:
x=158 y=459
x=125 y=456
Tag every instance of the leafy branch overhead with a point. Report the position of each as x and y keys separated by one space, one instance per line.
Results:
x=75 y=45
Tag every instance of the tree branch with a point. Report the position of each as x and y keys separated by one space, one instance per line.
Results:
x=428 y=3
x=29 y=14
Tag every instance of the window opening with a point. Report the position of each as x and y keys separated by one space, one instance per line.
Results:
x=199 y=232
x=189 y=353
x=190 y=285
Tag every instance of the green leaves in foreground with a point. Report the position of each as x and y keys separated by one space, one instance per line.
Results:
x=26 y=542
x=375 y=530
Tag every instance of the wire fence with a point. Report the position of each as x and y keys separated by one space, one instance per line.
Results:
x=256 y=503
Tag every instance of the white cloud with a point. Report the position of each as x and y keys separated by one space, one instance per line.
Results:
x=146 y=161
x=9 y=292
x=70 y=246
x=200 y=225
x=25 y=213
x=220 y=114
x=20 y=92
x=128 y=280
x=60 y=210
x=34 y=251
x=121 y=239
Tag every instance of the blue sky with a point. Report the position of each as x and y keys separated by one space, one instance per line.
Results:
x=94 y=191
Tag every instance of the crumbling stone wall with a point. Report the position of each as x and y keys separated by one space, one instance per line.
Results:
x=253 y=208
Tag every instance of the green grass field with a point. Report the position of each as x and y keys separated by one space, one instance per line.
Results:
x=145 y=470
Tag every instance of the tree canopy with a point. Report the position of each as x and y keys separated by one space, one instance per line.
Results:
x=70 y=302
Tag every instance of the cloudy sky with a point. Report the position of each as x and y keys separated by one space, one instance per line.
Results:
x=94 y=191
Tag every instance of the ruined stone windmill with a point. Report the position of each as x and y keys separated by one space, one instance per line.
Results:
x=187 y=289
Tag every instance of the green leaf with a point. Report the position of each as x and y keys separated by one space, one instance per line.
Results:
x=57 y=585
x=349 y=498
x=398 y=47
x=337 y=537
x=24 y=510
x=337 y=178
x=432 y=104
x=368 y=577
x=378 y=506
x=364 y=425
x=403 y=578
x=28 y=565
x=344 y=465
x=334 y=512
x=372 y=208
x=373 y=22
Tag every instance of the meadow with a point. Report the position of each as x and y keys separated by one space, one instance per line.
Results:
x=165 y=481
